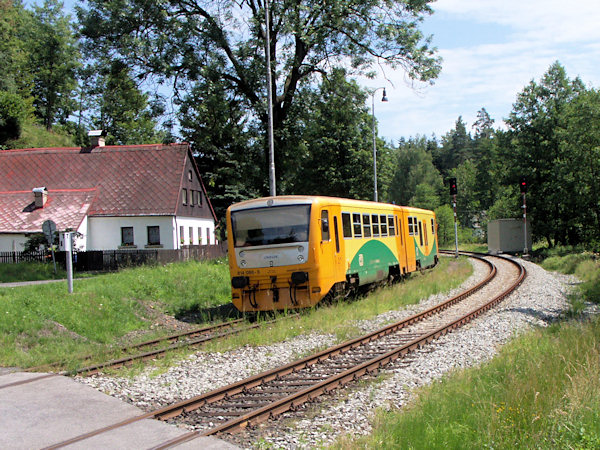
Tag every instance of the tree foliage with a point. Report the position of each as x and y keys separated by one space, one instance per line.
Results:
x=53 y=62
x=189 y=41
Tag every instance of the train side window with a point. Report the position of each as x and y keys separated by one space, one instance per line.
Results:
x=410 y=226
x=375 y=222
x=325 y=225
x=336 y=233
x=391 y=227
x=432 y=227
x=383 y=225
x=367 y=225
x=420 y=233
x=346 y=225
x=426 y=233
x=356 y=225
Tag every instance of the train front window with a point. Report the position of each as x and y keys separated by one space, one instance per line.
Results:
x=267 y=226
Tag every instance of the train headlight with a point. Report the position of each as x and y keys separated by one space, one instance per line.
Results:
x=242 y=254
x=300 y=248
x=301 y=258
x=243 y=263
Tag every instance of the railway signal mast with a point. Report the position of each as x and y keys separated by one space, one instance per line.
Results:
x=453 y=192
x=523 y=184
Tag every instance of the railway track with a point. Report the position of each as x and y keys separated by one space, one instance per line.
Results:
x=161 y=346
x=266 y=395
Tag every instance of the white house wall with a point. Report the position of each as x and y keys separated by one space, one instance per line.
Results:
x=104 y=233
x=203 y=228
x=12 y=242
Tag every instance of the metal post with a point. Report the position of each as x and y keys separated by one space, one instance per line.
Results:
x=455 y=224
x=69 y=256
x=383 y=99
x=272 y=188
x=374 y=152
x=524 y=224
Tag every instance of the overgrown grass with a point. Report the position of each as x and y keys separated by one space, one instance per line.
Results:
x=43 y=323
x=542 y=391
x=340 y=318
x=29 y=271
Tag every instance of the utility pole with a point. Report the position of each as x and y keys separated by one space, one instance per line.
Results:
x=272 y=188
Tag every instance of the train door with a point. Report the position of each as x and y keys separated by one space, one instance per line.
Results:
x=330 y=250
x=401 y=241
x=408 y=228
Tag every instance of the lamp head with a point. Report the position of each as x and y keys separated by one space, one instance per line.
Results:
x=384 y=98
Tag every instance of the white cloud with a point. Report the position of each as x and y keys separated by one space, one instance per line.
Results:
x=535 y=34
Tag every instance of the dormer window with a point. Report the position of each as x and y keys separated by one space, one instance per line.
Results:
x=184 y=198
x=190 y=175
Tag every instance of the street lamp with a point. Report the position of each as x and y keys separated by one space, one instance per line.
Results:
x=383 y=99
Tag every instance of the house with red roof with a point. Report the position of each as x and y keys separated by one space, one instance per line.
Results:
x=115 y=197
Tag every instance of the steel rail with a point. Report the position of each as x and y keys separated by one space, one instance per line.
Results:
x=253 y=381
x=169 y=338
x=308 y=394
x=90 y=370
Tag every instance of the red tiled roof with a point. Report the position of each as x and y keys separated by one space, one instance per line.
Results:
x=66 y=208
x=126 y=180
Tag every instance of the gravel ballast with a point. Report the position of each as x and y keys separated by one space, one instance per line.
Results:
x=538 y=301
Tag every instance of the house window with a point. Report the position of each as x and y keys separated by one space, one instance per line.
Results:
x=126 y=235
x=191 y=231
x=199 y=196
x=181 y=237
x=153 y=235
x=190 y=175
x=191 y=198
x=184 y=196
x=199 y=236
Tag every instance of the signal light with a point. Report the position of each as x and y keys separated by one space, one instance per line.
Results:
x=523 y=184
x=453 y=189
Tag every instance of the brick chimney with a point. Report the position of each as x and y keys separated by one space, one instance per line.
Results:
x=96 y=138
x=40 y=195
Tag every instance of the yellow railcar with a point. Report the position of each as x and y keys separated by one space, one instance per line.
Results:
x=291 y=251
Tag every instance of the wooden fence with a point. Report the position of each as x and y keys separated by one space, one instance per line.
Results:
x=115 y=259
x=17 y=257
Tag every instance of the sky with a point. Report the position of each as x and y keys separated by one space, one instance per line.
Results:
x=491 y=50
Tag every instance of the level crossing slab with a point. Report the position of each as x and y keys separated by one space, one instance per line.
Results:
x=38 y=412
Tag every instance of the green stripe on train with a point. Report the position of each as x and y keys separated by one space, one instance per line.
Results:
x=426 y=260
x=372 y=261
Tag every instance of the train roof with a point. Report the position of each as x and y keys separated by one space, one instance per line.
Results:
x=285 y=200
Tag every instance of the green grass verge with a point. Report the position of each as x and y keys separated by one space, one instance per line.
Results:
x=29 y=271
x=542 y=391
x=43 y=323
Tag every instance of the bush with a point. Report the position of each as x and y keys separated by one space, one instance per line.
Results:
x=13 y=113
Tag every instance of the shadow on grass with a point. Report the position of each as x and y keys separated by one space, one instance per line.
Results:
x=219 y=313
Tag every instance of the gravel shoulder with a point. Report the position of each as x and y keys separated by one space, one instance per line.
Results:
x=540 y=300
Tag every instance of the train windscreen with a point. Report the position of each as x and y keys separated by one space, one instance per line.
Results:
x=268 y=226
